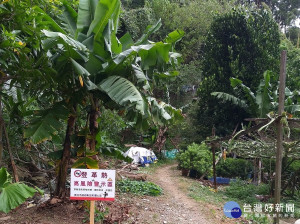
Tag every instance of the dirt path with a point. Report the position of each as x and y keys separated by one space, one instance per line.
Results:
x=186 y=209
x=175 y=206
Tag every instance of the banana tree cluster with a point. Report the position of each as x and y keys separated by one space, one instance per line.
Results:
x=94 y=67
x=264 y=100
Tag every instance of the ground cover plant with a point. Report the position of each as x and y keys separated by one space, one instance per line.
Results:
x=139 y=187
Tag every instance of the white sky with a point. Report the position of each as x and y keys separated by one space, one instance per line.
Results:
x=297 y=22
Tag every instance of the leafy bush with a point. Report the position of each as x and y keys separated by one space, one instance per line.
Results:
x=139 y=188
x=234 y=168
x=13 y=194
x=244 y=191
x=196 y=157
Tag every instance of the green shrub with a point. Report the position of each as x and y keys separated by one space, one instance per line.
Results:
x=232 y=168
x=196 y=157
x=139 y=187
x=244 y=191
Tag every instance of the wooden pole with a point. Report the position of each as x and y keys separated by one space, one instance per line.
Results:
x=259 y=170
x=92 y=212
x=214 y=158
x=214 y=166
x=280 y=133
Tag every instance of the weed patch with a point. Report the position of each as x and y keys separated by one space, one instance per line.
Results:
x=139 y=188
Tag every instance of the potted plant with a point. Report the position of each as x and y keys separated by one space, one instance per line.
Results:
x=184 y=162
x=196 y=157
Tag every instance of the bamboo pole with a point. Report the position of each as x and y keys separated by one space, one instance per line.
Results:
x=280 y=133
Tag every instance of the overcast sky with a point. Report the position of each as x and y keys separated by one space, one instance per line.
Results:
x=297 y=23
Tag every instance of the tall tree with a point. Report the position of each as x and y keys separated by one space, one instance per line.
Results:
x=286 y=12
x=241 y=44
x=193 y=17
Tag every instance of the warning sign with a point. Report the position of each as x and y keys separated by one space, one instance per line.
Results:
x=92 y=184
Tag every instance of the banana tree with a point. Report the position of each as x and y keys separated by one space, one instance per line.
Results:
x=257 y=105
x=262 y=102
x=93 y=65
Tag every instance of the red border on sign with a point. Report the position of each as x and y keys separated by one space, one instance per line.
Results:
x=92 y=199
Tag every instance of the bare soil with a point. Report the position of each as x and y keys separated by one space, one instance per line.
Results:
x=174 y=206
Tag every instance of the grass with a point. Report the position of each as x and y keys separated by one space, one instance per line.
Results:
x=207 y=194
x=239 y=192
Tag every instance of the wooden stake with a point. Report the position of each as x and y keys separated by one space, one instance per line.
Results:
x=280 y=133
x=214 y=158
x=214 y=166
x=92 y=212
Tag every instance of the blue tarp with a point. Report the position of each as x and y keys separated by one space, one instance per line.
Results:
x=221 y=180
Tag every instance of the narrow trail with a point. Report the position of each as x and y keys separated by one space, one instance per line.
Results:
x=187 y=209
x=175 y=206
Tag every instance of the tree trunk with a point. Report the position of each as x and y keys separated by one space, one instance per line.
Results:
x=94 y=114
x=161 y=138
x=60 y=190
x=1 y=130
x=13 y=165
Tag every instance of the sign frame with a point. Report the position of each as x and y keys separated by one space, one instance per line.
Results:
x=92 y=184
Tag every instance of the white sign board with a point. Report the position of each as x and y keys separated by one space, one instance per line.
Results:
x=92 y=184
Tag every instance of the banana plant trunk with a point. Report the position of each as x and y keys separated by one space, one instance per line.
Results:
x=1 y=130
x=60 y=190
x=94 y=114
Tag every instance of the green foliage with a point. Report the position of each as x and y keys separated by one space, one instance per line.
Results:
x=111 y=126
x=139 y=187
x=293 y=34
x=183 y=88
x=84 y=162
x=196 y=157
x=194 y=18
x=46 y=124
x=233 y=168
x=244 y=191
x=12 y=194
x=293 y=64
x=133 y=4
x=286 y=12
x=256 y=105
x=241 y=44
x=134 y=21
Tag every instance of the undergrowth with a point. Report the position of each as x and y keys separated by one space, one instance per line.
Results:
x=139 y=187
x=245 y=192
